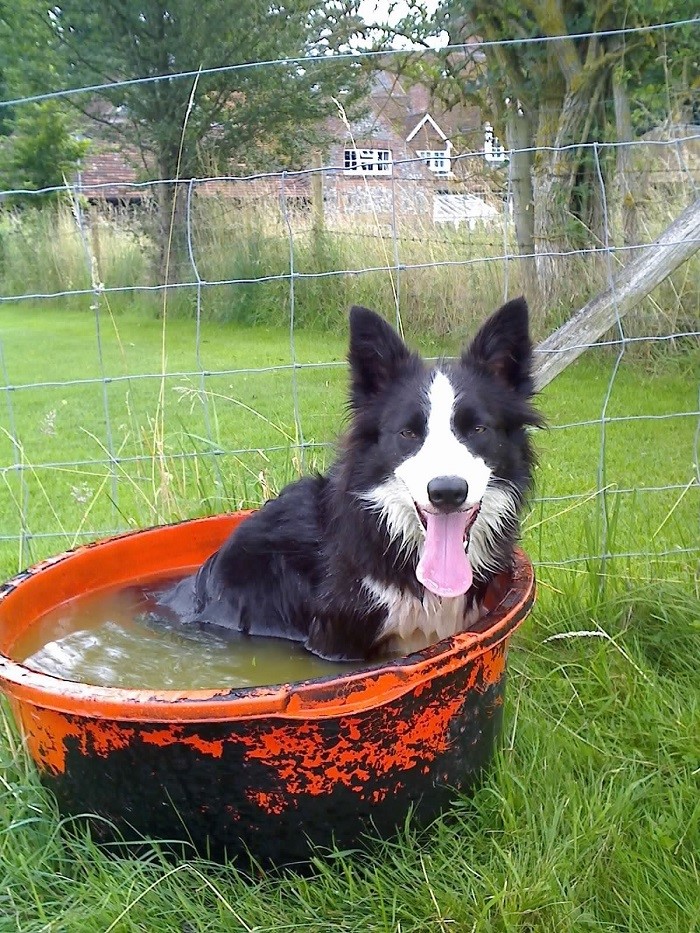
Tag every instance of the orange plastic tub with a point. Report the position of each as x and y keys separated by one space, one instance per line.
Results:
x=258 y=770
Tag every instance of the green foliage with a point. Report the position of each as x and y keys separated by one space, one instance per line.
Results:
x=42 y=151
x=38 y=144
x=257 y=115
x=661 y=64
x=551 y=100
x=664 y=70
x=28 y=61
x=220 y=122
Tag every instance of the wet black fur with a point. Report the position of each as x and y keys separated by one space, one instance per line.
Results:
x=295 y=568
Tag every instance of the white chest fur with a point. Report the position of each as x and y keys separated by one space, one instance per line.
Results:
x=412 y=624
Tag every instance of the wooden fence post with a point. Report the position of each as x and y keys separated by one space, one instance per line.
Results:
x=318 y=219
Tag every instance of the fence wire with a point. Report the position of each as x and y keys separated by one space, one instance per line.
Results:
x=160 y=441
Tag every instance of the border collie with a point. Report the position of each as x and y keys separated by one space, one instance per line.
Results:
x=393 y=548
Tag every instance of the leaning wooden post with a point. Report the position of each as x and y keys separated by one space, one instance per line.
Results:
x=633 y=283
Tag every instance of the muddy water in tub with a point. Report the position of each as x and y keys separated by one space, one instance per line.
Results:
x=111 y=639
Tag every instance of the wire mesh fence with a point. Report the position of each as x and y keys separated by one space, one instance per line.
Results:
x=132 y=399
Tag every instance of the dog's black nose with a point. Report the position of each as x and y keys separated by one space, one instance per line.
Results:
x=447 y=492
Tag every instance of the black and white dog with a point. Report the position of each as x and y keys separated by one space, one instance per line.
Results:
x=393 y=548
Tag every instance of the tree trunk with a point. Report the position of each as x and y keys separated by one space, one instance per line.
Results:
x=520 y=141
x=625 y=187
x=552 y=219
x=173 y=260
x=559 y=228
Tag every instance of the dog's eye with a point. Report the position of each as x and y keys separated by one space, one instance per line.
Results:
x=409 y=434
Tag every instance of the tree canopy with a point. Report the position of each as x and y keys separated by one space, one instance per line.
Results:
x=262 y=115
x=219 y=116
x=552 y=99
x=38 y=144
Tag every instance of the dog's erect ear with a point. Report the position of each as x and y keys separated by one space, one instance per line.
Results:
x=503 y=348
x=375 y=354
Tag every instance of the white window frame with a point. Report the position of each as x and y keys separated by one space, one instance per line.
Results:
x=368 y=161
x=493 y=150
x=439 y=161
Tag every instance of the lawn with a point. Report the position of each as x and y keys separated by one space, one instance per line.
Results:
x=590 y=819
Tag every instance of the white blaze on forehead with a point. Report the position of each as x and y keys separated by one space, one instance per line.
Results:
x=442 y=453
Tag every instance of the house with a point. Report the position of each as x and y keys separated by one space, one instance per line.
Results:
x=408 y=156
x=404 y=156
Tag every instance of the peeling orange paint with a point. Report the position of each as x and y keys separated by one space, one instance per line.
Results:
x=296 y=753
x=269 y=802
x=47 y=731
x=379 y=733
x=176 y=734
x=295 y=750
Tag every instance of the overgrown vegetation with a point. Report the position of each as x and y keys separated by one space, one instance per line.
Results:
x=440 y=274
x=42 y=151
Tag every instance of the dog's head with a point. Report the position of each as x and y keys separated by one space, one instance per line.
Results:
x=446 y=459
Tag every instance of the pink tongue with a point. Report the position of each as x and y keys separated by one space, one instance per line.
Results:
x=444 y=567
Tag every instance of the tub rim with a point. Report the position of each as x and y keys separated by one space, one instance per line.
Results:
x=322 y=697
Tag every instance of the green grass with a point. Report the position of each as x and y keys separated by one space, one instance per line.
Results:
x=590 y=819
x=171 y=438
x=439 y=273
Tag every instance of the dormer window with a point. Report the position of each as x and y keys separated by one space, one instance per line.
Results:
x=368 y=161
x=437 y=160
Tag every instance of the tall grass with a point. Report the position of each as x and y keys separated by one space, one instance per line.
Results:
x=42 y=252
x=441 y=278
